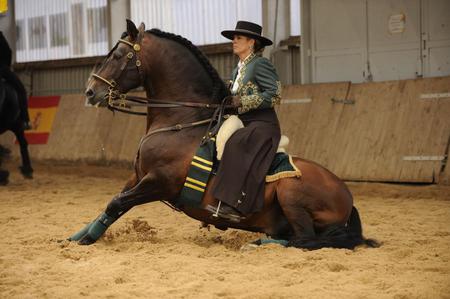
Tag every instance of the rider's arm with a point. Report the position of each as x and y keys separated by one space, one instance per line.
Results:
x=268 y=91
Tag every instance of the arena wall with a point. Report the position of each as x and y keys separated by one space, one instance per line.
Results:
x=387 y=131
x=395 y=131
x=87 y=134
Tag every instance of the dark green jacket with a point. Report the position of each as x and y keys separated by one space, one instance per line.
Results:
x=259 y=86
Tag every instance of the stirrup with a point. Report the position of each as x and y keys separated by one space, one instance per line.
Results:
x=217 y=213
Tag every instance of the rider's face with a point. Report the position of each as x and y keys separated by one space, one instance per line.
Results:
x=242 y=45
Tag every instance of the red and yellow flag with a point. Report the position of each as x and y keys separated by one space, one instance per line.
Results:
x=42 y=111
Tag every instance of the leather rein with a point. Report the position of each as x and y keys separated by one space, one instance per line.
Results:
x=122 y=102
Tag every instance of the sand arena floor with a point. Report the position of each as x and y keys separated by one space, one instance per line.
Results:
x=154 y=252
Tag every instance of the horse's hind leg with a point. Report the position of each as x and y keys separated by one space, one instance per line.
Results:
x=25 y=169
x=143 y=192
x=298 y=217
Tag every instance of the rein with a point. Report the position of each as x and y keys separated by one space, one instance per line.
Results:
x=124 y=100
x=117 y=101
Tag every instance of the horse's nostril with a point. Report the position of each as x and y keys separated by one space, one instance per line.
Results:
x=90 y=93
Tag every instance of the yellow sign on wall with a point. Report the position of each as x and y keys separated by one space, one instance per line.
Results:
x=3 y=6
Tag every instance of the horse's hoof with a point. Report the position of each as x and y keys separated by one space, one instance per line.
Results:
x=4 y=174
x=86 y=240
x=4 y=152
x=27 y=172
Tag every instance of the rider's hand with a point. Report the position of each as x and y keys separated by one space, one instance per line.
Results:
x=235 y=101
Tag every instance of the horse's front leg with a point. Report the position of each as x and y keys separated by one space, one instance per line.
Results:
x=25 y=169
x=147 y=190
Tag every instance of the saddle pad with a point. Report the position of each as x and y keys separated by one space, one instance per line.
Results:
x=198 y=175
x=203 y=163
x=282 y=167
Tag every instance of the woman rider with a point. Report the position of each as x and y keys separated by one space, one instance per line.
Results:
x=240 y=179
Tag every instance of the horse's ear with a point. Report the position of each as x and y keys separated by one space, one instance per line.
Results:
x=131 y=29
x=141 y=28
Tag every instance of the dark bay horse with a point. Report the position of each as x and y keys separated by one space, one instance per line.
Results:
x=10 y=121
x=181 y=86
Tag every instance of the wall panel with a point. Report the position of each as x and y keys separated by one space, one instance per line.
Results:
x=389 y=133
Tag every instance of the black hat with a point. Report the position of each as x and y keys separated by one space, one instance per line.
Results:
x=249 y=29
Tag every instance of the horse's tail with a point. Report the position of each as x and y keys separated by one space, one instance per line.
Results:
x=354 y=229
x=337 y=236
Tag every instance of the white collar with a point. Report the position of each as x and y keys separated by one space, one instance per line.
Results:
x=242 y=62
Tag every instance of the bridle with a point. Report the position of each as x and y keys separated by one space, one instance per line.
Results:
x=122 y=102
x=114 y=98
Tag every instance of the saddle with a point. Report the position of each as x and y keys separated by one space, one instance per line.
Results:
x=231 y=125
x=209 y=154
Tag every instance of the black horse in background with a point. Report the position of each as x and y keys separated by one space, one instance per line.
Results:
x=10 y=121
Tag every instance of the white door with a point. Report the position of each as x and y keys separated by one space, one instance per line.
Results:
x=436 y=37
x=378 y=40
x=338 y=40
x=394 y=36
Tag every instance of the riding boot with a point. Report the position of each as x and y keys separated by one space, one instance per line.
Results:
x=94 y=230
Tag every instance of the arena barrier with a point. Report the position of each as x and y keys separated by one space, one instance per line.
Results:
x=395 y=131
x=87 y=134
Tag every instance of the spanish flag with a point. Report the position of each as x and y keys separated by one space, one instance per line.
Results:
x=42 y=111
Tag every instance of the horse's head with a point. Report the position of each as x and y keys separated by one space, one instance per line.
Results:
x=121 y=69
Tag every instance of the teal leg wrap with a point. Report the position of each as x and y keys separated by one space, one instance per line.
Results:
x=94 y=229
x=80 y=234
x=274 y=241
x=99 y=226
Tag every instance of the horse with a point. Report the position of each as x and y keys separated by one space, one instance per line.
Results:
x=10 y=121
x=182 y=87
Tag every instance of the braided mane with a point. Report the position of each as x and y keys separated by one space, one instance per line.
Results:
x=219 y=89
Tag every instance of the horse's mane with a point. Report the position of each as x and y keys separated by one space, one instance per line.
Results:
x=219 y=89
